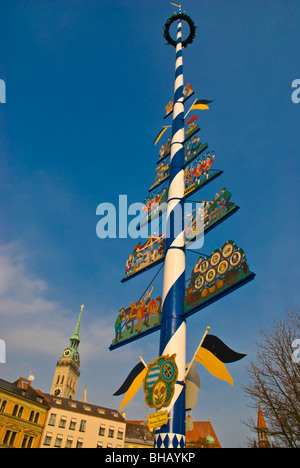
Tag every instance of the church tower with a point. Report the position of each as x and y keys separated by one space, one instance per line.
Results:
x=67 y=369
x=262 y=430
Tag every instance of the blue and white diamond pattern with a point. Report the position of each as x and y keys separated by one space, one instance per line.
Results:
x=169 y=441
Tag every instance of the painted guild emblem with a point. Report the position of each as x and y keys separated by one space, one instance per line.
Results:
x=160 y=381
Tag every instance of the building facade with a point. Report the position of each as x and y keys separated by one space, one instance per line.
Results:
x=23 y=413
x=77 y=424
x=32 y=419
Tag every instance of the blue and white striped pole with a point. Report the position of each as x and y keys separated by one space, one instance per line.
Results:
x=173 y=326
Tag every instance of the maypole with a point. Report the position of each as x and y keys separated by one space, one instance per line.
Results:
x=173 y=325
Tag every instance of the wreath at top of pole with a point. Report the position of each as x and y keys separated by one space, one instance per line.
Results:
x=180 y=16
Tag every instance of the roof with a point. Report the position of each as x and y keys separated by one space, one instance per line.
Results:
x=200 y=431
x=261 y=424
x=76 y=406
x=138 y=433
x=23 y=389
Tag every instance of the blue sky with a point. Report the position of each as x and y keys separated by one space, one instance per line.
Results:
x=87 y=83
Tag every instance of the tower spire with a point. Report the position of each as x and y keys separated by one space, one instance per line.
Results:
x=67 y=369
x=75 y=335
x=262 y=430
x=83 y=399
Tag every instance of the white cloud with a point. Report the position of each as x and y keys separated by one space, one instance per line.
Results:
x=31 y=321
x=15 y=279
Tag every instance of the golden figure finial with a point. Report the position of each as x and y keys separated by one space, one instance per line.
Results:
x=82 y=307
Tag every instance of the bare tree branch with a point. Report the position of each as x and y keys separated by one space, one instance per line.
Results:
x=274 y=380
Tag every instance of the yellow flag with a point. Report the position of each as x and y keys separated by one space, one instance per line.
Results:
x=134 y=387
x=216 y=367
x=175 y=4
x=160 y=134
x=201 y=104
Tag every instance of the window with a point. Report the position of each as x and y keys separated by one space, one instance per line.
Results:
x=82 y=426
x=27 y=441
x=51 y=419
x=6 y=437
x=9 y=438
x=102 y=430
x=79 y=443
x=69 y=442
x=36 y=418
x=120 y=434
x=30 y=442
x=111 y=431
x=12 y=439
x=72 y=424
x=48 y=438
x=24 y=441
x=62 y=422
x=15 y=410
x=3 y=405
x=20 y=413
x=31 y=416
x=58 y=441
x=99 y=444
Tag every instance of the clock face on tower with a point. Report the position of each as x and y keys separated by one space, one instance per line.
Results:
x=57 y=391
x=67 y=352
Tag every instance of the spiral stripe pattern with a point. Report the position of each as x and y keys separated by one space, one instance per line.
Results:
x=173 y=326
